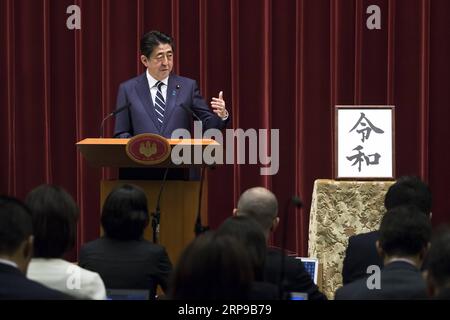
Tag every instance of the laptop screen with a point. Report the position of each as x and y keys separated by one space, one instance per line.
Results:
x=125 y=294
x=311 y=265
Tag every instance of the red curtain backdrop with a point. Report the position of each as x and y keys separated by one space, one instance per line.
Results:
x=282 y=64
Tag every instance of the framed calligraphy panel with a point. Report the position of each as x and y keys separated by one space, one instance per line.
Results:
x=364 y=144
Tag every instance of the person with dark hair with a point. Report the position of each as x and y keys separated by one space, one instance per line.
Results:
x=54 y=215
x=212 y=268
x=250 y=234
x=409 y=190
x=161 y=102
x=16 y=249
x=261 y=205
x=361 y=250
x=405 y=234
x=122 y=257
x=438 y=273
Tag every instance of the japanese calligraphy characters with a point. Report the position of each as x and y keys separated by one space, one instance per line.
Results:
x=364 y=141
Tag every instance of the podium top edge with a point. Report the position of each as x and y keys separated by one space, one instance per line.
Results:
x=116 y=141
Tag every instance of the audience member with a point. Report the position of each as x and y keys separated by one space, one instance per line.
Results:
x=262 y=205
x=54 y=215
x=438 y=273
x=250 y=234
x=122 y=257
x=16 y=248
x=403 y=242
x=361 y=250
x=212 y=268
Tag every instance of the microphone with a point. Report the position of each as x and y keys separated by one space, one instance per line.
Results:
x=112 y=114
x=199 y=229
x=295 y=200
x=189 y=110
x=186 y=108
x=156 y=216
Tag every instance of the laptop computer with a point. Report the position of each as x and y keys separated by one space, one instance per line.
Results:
x=127 y=294
x=312 y=266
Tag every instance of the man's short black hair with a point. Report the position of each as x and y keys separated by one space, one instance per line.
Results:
x=125 y=213
x=15 y=224
x=248 y=232
x=438 y=258
x=409 y=190
x=212 y=267
x=404 y=231
x=152 y=39
x=55 y=216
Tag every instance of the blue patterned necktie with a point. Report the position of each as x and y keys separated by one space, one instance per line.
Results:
x=160 y=104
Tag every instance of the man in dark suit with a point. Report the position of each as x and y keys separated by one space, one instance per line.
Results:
x=438 y=273
x=16 y=248
x=361 y=250
x=403 y=243
x=262 y=205
x=161 y=102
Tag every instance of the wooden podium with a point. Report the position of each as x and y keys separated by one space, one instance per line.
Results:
x=179 y=199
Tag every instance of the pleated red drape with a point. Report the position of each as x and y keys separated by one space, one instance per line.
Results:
x=282 y=64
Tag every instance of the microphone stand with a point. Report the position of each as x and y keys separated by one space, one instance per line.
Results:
x=189 y=110
x=156 y=216
x=199 y=229
x=298 y=204
x=103 y=123
x=112 y=114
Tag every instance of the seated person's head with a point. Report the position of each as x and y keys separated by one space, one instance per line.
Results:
x=125 y=214
x=260 y=204
x=405 y=232
x=16 y=240
x=438 y=276
x=212 y=268
x=54 y=214
x=249 y=233
x=409 y=190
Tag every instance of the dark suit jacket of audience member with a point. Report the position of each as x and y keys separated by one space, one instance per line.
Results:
x=127 y=264
x=398 y=280
x=443 y=295
x=15 y=286
x=361 y=252
x=297 y=279
x=260 y=290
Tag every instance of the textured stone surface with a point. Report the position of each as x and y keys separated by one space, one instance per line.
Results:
x=340 y=209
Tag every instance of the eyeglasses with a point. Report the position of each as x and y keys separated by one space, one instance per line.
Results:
x=160 y=56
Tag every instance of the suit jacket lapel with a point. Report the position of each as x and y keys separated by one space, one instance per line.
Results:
x=144 y=95
x=171 y=99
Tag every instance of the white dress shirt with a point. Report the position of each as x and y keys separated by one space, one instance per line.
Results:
x=9 y=263
x=67 y=277
x=153 y=89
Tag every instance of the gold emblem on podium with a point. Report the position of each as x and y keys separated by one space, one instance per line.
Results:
x=148 y=149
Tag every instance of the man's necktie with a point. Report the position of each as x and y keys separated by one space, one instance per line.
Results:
x=160 y=105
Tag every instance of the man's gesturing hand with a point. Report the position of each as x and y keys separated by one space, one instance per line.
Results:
x=218 y=104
